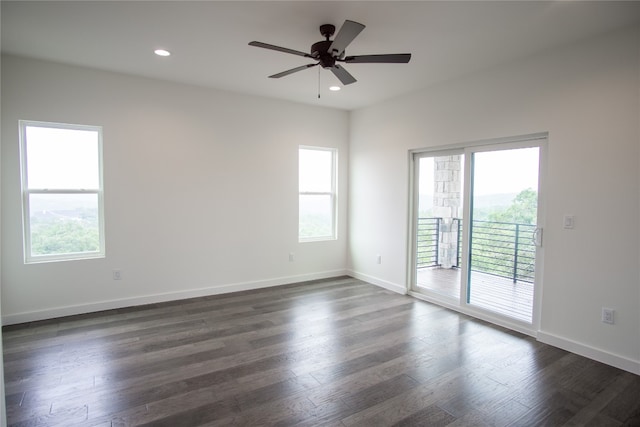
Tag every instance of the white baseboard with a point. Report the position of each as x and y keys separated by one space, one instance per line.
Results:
x=614 y=360
x=399 y=289
x=52 y=313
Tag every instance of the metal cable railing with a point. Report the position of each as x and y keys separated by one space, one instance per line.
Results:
x=503 y=249
x=428 y=242
x=498 y=248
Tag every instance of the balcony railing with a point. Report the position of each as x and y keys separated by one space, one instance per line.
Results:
x=430 y=235
x=428 y=246
x=498 y=248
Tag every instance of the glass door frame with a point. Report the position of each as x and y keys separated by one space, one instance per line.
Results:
x=415 y=157
x=539 y=140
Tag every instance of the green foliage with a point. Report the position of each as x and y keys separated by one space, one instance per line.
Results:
x=523 y=209
x=314 y=225
x=505 y=241
x=64 y=236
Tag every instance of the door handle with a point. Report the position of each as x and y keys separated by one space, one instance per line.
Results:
x=537 y=237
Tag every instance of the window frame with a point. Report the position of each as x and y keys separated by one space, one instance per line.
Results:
x=26 y=191
x=332 y=193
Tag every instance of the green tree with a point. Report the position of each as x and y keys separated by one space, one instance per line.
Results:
x=62 y=237
x=495 y=240
x=523 y=209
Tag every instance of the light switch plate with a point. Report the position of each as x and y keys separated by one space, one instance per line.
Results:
x=569 y=221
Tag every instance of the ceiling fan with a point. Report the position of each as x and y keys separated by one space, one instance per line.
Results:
x=329 y=52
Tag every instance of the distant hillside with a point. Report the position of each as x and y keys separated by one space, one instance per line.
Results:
x=480 y=202
x=494 y=200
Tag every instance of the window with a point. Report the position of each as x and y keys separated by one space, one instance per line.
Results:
x=317 y=198
x=61 y=191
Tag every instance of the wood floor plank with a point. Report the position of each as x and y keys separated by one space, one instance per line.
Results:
x=336 y=352
x=396 y=409
x=432 y=415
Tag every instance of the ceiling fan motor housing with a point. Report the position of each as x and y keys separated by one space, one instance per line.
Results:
x=319 y=51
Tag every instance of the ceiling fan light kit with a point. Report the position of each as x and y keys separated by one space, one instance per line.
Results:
x=329 y=52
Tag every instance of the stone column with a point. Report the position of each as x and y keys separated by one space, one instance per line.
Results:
x=447 y=205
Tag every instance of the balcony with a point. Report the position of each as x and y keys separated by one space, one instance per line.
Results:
x=502 y=263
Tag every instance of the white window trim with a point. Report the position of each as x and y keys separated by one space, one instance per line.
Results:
x=26 y=192
x=332 y=194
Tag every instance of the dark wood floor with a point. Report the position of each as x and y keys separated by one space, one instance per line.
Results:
x=336 y=352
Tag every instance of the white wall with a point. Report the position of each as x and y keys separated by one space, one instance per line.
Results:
x=3 y=408
x=586 y=96
x=200 y=190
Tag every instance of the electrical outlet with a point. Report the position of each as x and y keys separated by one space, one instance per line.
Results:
x=379 y=259
x=291 y=257
x=117 y=275
x=607 y=315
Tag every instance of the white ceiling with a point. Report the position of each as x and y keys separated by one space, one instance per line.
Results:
x=209 y=39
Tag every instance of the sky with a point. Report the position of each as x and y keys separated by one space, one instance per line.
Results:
x=62 y=158
x=495 y=172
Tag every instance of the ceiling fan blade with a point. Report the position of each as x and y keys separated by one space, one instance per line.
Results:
x=343 y=75
x=291 y=71
x=279 y=49
x=394 y=58
x=347 y=33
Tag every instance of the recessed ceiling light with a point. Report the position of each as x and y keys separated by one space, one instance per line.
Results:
x=334 y=88
x=162 y=52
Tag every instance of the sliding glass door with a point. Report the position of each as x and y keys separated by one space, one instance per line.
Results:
x=476 y=239
x=502 y=231
x=440 y=181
